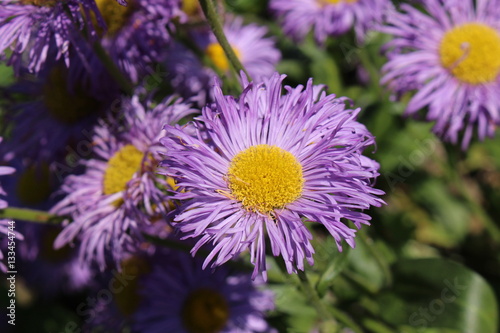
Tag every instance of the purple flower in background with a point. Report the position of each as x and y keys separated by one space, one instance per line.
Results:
x=31 y=27
x=328 y=17
x=450 y=55
x=179 y=296
x=269 y=163
x=62 y=104
x=137 y=34
x=120 y=192
x=257 y=53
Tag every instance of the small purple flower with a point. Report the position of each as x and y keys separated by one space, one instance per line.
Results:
x=328 y=17
x=179 y=296
x=265 y=163
x=31 y=27
x=257 y=53
x=450 y=55
x=62 y=104
x=120 y=192
x=137 y=33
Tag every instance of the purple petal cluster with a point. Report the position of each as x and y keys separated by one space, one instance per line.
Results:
x=328 y=18
x=321 y=134
x=458 y=108
x=114 y=221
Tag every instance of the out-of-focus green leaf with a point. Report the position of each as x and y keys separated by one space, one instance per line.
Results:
x=333 y=269
x=441 y=295
x=6 y=75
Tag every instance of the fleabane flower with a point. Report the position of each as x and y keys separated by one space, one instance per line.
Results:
x=449 y=55
x=137 y=33
x=120 y=194
x=29 y=28
x=257 y=53
x=328 y=17
x=179 y=296
x=264 y=165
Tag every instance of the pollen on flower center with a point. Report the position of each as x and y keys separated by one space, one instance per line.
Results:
x=121 y=167
x=66 y=106
x=205 y=311
x=215 y=52
x=470 y=52
x=114 y=14
x=265 y=178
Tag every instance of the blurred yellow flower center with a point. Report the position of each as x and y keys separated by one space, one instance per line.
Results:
x=121 y=167
x=205 y=311
x=128 y=298
x=265 y=178
x=33 y=186
x=190 y=7
x=471 y=52
x=215 y=52
x=114 y=14
x=66 y=106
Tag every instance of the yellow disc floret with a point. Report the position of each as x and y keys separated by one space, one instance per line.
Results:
x=121 y=167
x=265 y=178
x=205 y=311
x=215 y=52
x=471 y=52
x=114 y=14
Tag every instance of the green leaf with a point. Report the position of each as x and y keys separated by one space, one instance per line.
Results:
x=438 y=295
x=333 y=269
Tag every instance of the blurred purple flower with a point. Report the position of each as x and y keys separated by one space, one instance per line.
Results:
x=328 y=17
x=450 y=55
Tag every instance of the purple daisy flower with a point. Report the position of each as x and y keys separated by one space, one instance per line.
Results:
x=179 y=296
x=137 y=34
x=451 y=56
x=271 y=162
x=62 y=104
x=257 y=53
x=120 y=192
x=30 y=27
x=328 y=17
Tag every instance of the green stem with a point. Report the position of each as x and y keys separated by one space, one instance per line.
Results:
x=30 y=215
x=313 y=296
x=216 y=26
x=113 y=70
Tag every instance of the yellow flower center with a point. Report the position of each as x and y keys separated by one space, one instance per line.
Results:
x=115 y=15
x=66 y=106
x=265 y=178
x=190 y=7
x=128 y=299
x=121 y=167
x=33 y=186
x=205 y=311
x=471 y=52
x=215 y=52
